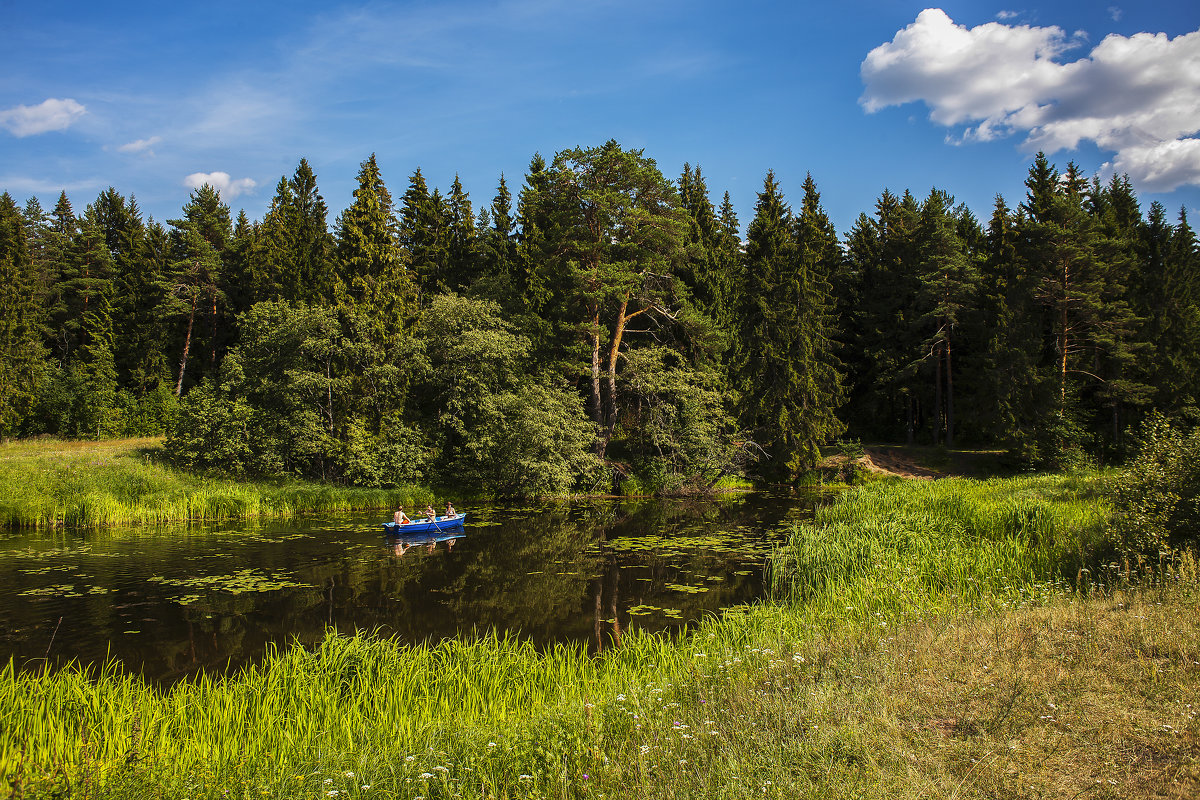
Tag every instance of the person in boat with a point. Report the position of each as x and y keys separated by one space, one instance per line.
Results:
x=400 y=517
x=430 y=514
x=450 y=512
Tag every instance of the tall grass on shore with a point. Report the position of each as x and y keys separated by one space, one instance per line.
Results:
x=903 y=547
x=124 y=482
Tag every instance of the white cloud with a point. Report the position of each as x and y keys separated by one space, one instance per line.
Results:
x=44 y=187
x=225 y=185
x=51 y=115
x=1136 y=96
x=1115 y=12
x=1005 y=15
x=140 y=146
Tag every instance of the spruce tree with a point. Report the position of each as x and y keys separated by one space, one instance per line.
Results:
x=462 y=259
x=886 y=399
x=273 y=269
x=786 y=370
x=20 y=350
x=59 y=243
x=949 y=283
x=707 y=272
x=424 y=236
x=373 y=272
x=1177 y=357
x=311 y=242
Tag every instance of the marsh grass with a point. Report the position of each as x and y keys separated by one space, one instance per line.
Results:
x=959 y=686
x=49 y=483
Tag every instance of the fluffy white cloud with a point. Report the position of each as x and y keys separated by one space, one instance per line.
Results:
x=140 y=146
x=50 y=115
x=1137 y=96
x=225 y=185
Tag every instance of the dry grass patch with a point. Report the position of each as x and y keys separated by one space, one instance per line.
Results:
x=1095 y=698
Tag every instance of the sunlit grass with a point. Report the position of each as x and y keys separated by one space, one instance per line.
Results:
x=50 y=483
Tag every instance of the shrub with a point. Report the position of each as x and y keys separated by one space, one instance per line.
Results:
x=1158 y=497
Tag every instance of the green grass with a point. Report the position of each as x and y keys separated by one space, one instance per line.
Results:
x=923 y=644
x=122 y=482
x=893 y=548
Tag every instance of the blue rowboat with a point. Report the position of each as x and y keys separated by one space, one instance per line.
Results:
x=415 y=528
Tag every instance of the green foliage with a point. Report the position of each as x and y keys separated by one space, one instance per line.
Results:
x=678 y=432
x=499 y=430
x=290 y=401
x=1158 y=497
x=211 y=432
x=396 y=454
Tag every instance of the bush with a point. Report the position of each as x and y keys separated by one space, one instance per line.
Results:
x=394 y=457
x=211 y=432
x=1158 y=497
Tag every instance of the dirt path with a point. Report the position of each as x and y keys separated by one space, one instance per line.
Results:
x=924 y=463
x=889 y=461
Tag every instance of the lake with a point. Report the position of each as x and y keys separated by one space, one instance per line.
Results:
x=169 y=602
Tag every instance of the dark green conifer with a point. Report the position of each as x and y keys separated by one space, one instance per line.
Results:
x=20 y=351
x=787 y=374
x=370 y=262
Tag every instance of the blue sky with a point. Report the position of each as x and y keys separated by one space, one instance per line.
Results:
x=865 y=94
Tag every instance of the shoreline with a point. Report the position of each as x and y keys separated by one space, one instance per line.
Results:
x=55 y=484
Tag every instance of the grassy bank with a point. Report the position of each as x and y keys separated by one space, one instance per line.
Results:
x=979 y=675
x=121 y=482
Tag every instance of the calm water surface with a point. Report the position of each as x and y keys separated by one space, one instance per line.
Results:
x=169 y=602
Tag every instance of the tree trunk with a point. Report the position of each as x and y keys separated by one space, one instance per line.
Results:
x=909 y=429
x=187 y=345
x=937 y=397
x=614 y=353
x=212 y=338
x=594 y=401
x=329 y=394
x=1063 y=329
x=949 y=396
x=610 y=410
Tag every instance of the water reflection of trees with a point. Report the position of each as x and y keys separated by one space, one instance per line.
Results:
x=548 y=574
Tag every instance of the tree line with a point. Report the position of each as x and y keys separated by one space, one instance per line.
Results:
x=604 y=325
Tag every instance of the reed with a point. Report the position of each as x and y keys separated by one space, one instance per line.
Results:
x=50 y=483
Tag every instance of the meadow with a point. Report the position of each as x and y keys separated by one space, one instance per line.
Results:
x=927 y=639
x=48 y=483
